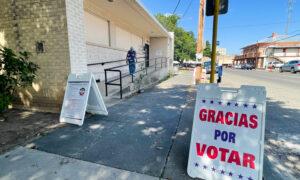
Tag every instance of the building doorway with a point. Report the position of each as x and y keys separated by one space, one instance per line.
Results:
x=146 y=50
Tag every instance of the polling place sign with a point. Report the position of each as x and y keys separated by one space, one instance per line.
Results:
x=82 y=95
x=227 y=139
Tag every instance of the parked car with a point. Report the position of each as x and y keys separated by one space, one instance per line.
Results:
x=228 y=65
x=274 y=64
x=291 y=66
x=176 y=63
x=247 y=66
x=238 y=66
x=207 y=66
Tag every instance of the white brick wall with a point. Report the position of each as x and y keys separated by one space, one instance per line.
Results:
x=60 y=25
x=98 y=54
x=76 y=36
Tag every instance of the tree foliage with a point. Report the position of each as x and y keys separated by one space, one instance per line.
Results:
x=185 y=42
x=15 y=71
x=207 y=49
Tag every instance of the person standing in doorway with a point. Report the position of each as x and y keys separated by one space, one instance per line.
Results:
x=131 y=60
x=220 y=73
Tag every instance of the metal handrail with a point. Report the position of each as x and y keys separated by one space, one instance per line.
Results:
x=138 y=62
x=109 y=62
x=113 y=69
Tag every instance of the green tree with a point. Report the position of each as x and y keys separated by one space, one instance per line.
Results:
x=16 y=71
x=207 y=49
x=168 y=21
x=185 y=42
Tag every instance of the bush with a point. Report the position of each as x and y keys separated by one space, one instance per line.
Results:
x=15 y=71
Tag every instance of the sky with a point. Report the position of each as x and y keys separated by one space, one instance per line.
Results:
x=246 y=22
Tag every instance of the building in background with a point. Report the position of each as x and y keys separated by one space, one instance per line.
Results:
x=222 y=57
x=280 y=48
x=221 y=51
x=283 y=53
x=226 y=60
x=79 y=36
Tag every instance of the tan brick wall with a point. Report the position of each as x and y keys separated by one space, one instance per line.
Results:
x=22 y=24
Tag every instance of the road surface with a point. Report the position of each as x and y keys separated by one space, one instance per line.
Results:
x=282 y=142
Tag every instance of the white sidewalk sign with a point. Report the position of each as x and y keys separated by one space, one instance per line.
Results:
x=81 y=95
x=227 y=139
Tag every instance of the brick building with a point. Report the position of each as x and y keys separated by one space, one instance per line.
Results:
x=274 y=48
x=79 y=36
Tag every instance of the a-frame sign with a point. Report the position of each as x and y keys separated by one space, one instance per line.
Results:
x=81 y=95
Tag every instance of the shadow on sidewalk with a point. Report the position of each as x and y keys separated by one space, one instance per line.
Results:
x=282 y=141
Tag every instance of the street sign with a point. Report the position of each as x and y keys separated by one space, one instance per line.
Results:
x=227 y=139
x=199 y=55
x=223 y=9
x=81 y=95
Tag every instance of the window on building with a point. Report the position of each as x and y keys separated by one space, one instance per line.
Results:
x=96 y=29
x=123 y=39
x=126 y=39
x=40 y=47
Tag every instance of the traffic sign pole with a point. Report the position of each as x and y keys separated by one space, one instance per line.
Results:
x=214 y=41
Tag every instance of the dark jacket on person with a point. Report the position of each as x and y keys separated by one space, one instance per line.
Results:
x=220 y=71
x=131 y=56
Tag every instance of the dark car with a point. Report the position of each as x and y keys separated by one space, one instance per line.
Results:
x=247 y=66
x=207 y=66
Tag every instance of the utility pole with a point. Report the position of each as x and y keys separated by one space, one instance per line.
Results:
x=214 y=41
x=290 y=10
x=200 y=28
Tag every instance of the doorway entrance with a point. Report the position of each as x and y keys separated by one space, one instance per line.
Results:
x=146 y=50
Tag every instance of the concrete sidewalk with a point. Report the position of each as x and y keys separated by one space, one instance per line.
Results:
x=145 y=136
x=23 y=163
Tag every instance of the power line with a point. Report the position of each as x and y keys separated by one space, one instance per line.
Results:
x=294 y=31
x=255 y=25
x=188 y=7
x=176 y=6
x=287 y=37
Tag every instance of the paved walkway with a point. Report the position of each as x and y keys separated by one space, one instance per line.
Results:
x=144 y=137
x=23 y=163
x=147 y=134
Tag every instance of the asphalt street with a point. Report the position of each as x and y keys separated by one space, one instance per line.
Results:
x=282 y=138
x=282 y=87
x=285 y=78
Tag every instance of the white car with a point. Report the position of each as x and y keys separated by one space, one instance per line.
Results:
x=176 y=62
x=275 y=64
x=238 y=66
x=291 y=66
